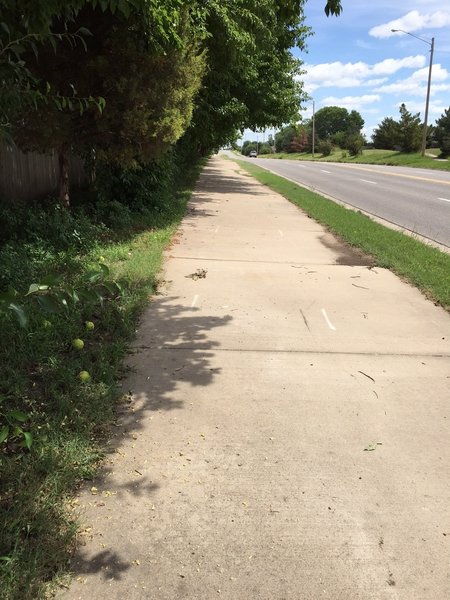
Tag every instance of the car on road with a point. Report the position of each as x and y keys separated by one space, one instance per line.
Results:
x=252 y=154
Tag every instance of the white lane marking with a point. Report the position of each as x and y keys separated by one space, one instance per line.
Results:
x=194 y=301
x=367 y=181
x=281 y=233
x=329 y=323
x=323 y=171
x=444 y=199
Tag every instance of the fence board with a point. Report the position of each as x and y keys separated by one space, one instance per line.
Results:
x=25 y=177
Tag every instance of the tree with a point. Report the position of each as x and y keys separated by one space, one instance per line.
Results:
x=387 y=135
x=284 y=138
x=329 y=120
x=251 y=80
x=333 y=119
x=410 y=130
x=442 y=132
x=144 y=61
x=301 y=142
x=355 y=123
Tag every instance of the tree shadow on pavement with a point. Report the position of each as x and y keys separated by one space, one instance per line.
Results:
x=213 y=181
x=173 y=346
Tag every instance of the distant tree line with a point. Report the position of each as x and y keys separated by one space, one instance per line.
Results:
x=406 y=134
x=336 y=127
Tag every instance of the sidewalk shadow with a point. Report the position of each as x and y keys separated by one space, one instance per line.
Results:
x=213 y=180
x=172 y=345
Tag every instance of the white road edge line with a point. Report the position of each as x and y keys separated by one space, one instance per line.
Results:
x=323 y=171
x=194 y=301
x=329 y=323
x=367 y=181
x=444 y=199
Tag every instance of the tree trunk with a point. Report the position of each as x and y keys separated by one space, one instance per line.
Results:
x=63 y=180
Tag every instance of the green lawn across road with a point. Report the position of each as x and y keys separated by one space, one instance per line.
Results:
x=374 y=157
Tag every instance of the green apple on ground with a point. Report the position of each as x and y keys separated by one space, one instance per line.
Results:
x=84 y=376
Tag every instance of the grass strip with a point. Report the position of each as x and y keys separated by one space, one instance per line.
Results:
x=424 y=266
x=69 y=419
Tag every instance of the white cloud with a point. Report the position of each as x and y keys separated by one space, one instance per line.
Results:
x=352 y=102
x=412 y=21
x=372 y=82
x=388 y=66
x=416 y=83
x=341 y=75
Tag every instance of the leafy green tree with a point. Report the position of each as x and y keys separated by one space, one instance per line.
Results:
x=340 y=139
x=410 y=130
x=333 y=7
x=442 y=132
x=284 y=138
x=147 y=66
x=387 y=135
x=147 y=59
x=355 y=123
x=251 y=77
x=329 y=120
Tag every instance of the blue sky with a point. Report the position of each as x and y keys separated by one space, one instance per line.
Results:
x=356 y=62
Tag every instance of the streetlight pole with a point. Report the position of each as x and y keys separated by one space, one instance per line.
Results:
x=313 y=129
x=424 y=137
x=427 y=103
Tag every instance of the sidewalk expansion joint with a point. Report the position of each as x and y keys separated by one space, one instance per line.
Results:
x=306 y=351
x=267 y=262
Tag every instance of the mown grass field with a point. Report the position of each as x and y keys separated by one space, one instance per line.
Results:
x=373 y=157
x=421 y=265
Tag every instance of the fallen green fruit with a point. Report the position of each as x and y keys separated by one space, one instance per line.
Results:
x=78 y=344
x=84 y=376
x=89 y=325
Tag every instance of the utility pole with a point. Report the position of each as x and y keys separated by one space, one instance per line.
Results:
x=313 y=129
x=427 y=104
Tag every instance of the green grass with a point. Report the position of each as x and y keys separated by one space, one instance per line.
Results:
x=424 y=266
x=68 y=419
x=373 y=157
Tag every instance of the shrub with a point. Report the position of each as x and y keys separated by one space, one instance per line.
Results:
x=325 y=147
x=355 y=144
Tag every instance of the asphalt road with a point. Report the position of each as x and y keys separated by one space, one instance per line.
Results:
x=415 y=199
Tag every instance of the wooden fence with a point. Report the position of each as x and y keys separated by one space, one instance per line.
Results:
x=25 y=177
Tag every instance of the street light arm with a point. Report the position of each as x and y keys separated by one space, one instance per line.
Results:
x=412 y=35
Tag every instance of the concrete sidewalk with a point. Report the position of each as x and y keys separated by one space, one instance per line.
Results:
x=287 y=436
